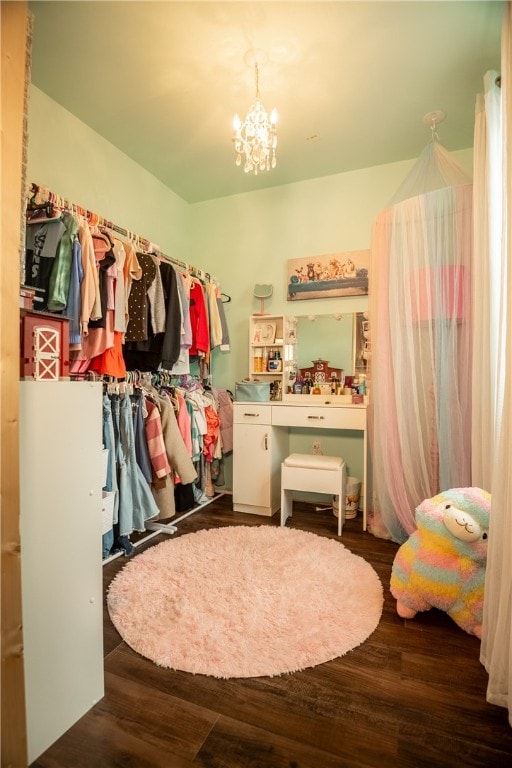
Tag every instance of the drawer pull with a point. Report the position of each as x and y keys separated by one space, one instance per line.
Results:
x=266 y=442
x=316 y=417
x=251 y=414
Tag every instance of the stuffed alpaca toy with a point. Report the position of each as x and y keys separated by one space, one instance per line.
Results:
x=442 y=564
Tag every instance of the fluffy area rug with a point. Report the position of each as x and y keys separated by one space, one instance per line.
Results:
x=245 y=601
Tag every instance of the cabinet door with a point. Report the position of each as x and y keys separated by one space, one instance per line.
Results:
x=251 y=465
x=60 y=489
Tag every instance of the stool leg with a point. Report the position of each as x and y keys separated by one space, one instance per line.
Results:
x=286 y=505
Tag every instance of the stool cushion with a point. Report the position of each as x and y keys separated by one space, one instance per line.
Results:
x=313 y=461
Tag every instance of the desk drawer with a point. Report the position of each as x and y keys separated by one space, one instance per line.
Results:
x=251 y=413
x=318 y=417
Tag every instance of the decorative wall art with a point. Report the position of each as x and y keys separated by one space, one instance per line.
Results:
x=264 y=333
x=329 y=275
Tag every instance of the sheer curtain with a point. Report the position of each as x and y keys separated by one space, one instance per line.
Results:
x=493 y=169
x=487 y=277
x=420 y=314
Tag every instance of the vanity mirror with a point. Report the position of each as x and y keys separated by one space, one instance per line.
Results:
x=340 y=340
x=293 y=352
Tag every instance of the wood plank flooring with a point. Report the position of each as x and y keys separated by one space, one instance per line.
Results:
x=412 y=696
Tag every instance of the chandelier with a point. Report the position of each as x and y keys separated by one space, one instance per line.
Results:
x=256 y=137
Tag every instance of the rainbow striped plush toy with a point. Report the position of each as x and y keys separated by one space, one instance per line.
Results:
x=442 y=564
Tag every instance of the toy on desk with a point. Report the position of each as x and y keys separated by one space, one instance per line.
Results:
x=442 y=564
x=320 y=372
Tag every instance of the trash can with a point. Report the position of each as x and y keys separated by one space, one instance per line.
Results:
x=352 y=500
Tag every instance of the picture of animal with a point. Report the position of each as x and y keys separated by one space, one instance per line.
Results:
x=328 y=275
x=335 y=269
x=348 y=269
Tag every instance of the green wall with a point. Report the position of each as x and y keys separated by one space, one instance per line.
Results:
x=74 y=161
x=241 y=240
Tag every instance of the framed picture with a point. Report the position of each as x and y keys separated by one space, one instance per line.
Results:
x=264 y=332
x=328 y=275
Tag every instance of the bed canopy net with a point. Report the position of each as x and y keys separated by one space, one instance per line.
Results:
x=420 y=313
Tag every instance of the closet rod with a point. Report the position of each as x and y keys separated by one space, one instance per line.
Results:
x=40 y=194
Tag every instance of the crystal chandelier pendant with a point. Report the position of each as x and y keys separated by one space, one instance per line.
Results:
x=255 y=138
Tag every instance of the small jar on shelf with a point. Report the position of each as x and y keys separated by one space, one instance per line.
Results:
x=274 y=362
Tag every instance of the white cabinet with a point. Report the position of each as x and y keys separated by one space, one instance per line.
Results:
x=258 y=452
x=61 y=565
x=272 y=350
x=261 y=442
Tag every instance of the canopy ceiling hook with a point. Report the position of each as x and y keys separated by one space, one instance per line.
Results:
x=432 y=119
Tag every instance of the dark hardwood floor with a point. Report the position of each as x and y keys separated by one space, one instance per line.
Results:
x=412 y=695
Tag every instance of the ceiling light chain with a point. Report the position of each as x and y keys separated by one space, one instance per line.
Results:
x=256 y=137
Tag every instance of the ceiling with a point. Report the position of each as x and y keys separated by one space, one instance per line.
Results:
x=351 y=81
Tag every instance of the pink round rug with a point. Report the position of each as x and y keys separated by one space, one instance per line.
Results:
x=245 y=601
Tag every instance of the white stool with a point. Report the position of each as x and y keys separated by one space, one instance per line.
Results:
x=314 y=473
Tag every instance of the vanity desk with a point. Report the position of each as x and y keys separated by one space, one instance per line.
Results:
x=261 y=442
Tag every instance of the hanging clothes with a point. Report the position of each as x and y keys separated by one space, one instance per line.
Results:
x=182 y=364
x=128 y=309
x=138 y=302
x=136 y=503
x=131 y=271
x=42 y=240
x=225 y=342
x=216 y=333
x=139 y=434
x=90 y=287
x=184 y=420
x=61 y=270
x=120 y=308
x=225 y=410
x=111 y=485
x=198 y=321
x=110 y=362
x=155 y=441
x=73 y=308
x=157 y=303
x=104 y=260
x=158 y=349
x=178 y=458
x=171 y=343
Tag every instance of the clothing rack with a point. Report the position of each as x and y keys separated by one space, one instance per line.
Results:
x=155 y=378
x=39 y=195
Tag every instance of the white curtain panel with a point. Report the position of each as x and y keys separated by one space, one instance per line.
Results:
x=496 y=648
x=487 y=276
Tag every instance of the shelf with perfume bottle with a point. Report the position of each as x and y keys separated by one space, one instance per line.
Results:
x=272 y=349
x=267 y=360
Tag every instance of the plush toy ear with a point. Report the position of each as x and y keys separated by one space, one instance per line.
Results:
x=461 y=524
